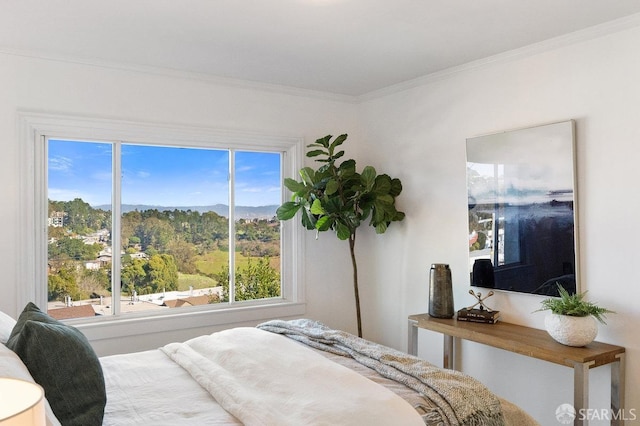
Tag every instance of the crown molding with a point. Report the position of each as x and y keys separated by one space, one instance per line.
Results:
x=601 y=30
x=179 y=74
x=577 y=37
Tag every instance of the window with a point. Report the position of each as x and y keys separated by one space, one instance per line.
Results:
x=136 y=221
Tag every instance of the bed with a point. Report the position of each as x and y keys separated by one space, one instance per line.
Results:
x=278 y=373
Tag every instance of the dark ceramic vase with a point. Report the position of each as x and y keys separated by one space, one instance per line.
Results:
x=440 y=291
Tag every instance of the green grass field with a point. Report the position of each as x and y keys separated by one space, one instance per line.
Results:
x=196 y=281
x=212 y=263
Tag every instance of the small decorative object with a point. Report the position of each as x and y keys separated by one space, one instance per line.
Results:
x=480 y=301
x=482 y=314
x=572 y=320
x=571 y=331
x=440 y=291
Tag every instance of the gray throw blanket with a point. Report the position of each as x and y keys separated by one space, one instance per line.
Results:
x=460 y=399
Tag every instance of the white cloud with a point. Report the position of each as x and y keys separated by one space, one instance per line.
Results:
x=60 y=164
x=68 y=194
x=102 y=176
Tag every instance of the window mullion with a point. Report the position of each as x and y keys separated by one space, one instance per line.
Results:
x=232 y=228
x=116 y=215
x=40 y=224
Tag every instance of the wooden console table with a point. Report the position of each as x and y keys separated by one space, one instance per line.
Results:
x=533 y=343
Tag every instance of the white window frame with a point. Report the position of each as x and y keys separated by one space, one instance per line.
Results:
x=33 y=128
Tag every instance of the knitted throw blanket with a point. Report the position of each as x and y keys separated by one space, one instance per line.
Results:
x=459 y=398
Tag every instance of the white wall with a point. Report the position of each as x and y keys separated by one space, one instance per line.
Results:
x=30 y=84
x=419 y=136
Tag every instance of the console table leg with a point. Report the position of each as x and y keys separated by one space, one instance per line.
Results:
x=447 y=361
x=617 y=390
x=413 y=338
x=581 y=390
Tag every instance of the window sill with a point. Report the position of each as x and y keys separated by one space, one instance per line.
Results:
x=129 y=325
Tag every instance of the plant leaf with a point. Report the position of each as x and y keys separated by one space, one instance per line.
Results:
x=384 y=199
x=338 y=141
x=308 y=221
x=324 y=141
x=308 y=175
x=317 y=152
x=287 y=210
x=293 y=185
x=342 y=231
x=382 y=185
x=368 y=177
x=316 y=207
x=324 y=223
x=381 y=228
x=396 y=187
x=332 y=187
x=337 y=155
x=347 y=167
x=574 y=305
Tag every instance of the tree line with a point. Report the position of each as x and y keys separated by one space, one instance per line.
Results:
x=172 y=241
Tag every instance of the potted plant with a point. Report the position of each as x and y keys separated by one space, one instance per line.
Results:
x=336 y=197
x=572 y=320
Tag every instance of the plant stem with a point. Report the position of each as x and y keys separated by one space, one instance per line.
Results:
x=352 y=247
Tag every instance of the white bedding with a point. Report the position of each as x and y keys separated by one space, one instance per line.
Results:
x=148 y=388
x=275 y=381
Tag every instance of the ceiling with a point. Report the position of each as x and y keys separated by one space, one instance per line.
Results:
x=348 y=47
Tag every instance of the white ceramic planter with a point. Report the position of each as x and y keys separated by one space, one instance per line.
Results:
x=571 y=331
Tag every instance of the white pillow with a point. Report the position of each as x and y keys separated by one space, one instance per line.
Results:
x=11 y=366
x=6 y=325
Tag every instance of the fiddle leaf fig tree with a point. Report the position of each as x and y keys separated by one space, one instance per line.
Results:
x=336 y=197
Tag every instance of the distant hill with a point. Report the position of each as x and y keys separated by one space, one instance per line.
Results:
x=242 y=212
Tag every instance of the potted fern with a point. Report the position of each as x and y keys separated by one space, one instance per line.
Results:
x=337 y=198
x=572 y=320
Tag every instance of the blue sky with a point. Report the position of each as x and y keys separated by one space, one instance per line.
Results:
x=163 y=176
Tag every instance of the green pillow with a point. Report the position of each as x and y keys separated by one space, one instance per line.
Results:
x=60 y=358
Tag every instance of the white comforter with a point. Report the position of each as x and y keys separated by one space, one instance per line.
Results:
x=148 y=389
x=266 y=379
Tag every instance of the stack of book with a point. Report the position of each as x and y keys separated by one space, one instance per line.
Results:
x=478 y=315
